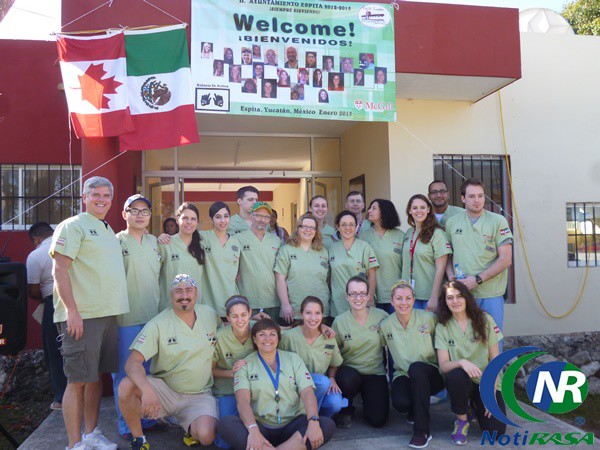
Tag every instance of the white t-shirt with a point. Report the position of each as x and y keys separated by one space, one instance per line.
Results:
x=39 y=268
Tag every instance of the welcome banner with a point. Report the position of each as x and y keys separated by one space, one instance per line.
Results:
x=317 y=60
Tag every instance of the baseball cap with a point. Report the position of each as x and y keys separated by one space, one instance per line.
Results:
x=135 y=198
x=259 y=205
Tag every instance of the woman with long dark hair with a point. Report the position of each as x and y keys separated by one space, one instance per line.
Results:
x=183 y=254
x=386 y=239
x=425 y=252
x=466 y=339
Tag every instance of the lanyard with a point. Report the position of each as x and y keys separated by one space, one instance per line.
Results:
x=274 y=380
x=413 y=245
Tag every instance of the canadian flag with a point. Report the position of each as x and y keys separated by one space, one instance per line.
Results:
x=94 y=72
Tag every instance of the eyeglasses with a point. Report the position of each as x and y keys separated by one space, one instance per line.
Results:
x=441 y=191
x=262 y=216
x=354 y=295
x=307 y=227
x=137 y=212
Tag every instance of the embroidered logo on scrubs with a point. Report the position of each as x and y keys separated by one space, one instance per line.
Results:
x=172 y=341
x=211 y=338
x=93 y=232
x=274 y=248
x=235 y=248
x=374 y=327
x=489 y=248
x=292 y=380
x=504 y=231
x=246 y=248
x=424 y=329
x=451 y=342
x=347 y=337
x=125 y=252
x=389 y=337
x=141 y=339
x=329 y=346
x=458 y=231
x=398 y=247
x=372 y=259
x=175 y=257
x=307 y=375
x=496 y=329
x=448 y=245
x=332 y=258
x=228 y=355
x=207 y=250
x=325 y=264
x=293 y=257
x=253 y=377
x=61 y=242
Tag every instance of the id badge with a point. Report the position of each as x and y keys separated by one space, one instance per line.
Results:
x=412 y=283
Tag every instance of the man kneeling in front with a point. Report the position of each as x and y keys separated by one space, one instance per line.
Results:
x=181 y=342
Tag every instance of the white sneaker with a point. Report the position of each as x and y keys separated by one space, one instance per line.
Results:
x=79 y=446
x=96 y=441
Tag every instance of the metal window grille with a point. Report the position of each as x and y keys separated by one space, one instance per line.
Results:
x=491 y=169
x=24 y=185
x=583 y=234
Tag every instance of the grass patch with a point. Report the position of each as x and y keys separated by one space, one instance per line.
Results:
x=586 y=417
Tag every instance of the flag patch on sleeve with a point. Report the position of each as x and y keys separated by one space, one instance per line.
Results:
x=504 y=231
x=61 y=241
x=496 y=329
x=372 y=259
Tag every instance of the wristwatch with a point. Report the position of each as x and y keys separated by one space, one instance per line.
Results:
x=315 y=418
x=478 y=279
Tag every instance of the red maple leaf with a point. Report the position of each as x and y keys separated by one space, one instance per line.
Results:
x=94 y=88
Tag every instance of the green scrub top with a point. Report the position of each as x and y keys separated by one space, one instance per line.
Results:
x=227 y=351
x=365 y=226
x=318 y=357
x=176 y=259
x=97 y=272
x=459 y=345
x=306 y=274
x=142 y=268
x=293 y=379
x=344 y=265
x=450 y=211
x=361 y=345
x=329 y=235
x=221 y=266
x=413 y=343
x=423 y=261
x=237 y=224
x=476 y=248
x=256 y=279
x=388 y=249
x=181 y=356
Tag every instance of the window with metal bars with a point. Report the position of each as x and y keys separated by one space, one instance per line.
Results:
x=23 y=186
x=491 y=169
x=583 y=234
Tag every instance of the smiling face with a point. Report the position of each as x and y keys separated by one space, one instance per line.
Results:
x=292 y=55
x=312 y=315
x=374 y=213
x=261 y=218
x=271 y=57
x=258 y=71
x=184 y=297
x=355 y=204
x=307 y=230
x=283 y=77
x=220 y=220
x=358 y=76
x=246 y=57
x=268 y=88
x=438 y=195
x=98 y=201
x=455 y=301
x=347 y=226
x=357 y=295
x=380 y=77
x=336 y=80
x=266 y=340
x=419 y=210
x=137 y=222
x=207 y=47
x=311 y=59
x=347 y=65
x=228 y=54
x=474 y=199
x=239 y=317
x=323 y=96
x=188 y=222
x=318 y=208
x=403 y=301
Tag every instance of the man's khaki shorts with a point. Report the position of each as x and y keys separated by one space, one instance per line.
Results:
x=184 y=407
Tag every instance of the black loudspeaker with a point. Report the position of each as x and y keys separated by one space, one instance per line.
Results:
x=13 y=308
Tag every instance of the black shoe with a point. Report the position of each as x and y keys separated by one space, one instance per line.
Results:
x=419 y=440
x=139 y=444
x=343 y=421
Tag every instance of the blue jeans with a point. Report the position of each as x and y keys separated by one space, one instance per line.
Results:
x=331 y=403
x=126 y=337
x=494 y=306
x=420 y=304
x=227 y=407
x=54 y=359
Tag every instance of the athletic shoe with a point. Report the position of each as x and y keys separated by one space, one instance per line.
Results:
x=79 y=446
x=343 y=421
x=410 y=419
x=56 y=406
x=419 y=440
x=96 y=441
x=140 y=443
x=459 y=435
x=189 y=440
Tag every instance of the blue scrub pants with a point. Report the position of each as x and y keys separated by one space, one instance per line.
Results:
x=329 y=404
x=494 y=306
x=420 y=304
x=227 y=407
x=126 y=337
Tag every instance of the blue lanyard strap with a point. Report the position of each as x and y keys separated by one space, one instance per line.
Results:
x=274 y=380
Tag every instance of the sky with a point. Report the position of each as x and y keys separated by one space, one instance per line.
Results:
x=37 y=19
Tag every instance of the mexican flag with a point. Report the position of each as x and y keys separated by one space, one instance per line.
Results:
x=159 y=89
x=94 y=76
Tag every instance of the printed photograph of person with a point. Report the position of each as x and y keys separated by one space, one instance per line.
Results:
x=317 y=78
x=258 y=70
x=269 y=89
x=283 y=78
x=292 y=58
x=256 y=51
x=297 y=92
x=328 y=63
x=249 y=86
x=365 y=60
x=311 y=60
x=235 y=74
x=218 y=68
x=323 y=96
x=347 y=65
x=336 y=81
x=246 y=56
x=359 y=77
x=380 y=75
x=303 y=76
x=228 y=56
x=207 y=50
x=271 y=57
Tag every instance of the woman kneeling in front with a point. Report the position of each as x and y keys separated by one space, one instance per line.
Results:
x=275 y=399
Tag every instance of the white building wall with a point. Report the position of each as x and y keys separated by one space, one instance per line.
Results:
x=552 y=122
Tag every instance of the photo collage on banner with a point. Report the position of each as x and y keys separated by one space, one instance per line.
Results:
x=319 y=60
